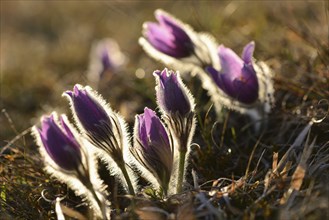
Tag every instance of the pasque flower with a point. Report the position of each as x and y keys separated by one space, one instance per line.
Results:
x=105 y=56
x=152 y=147
x=168 y=36
x=67 y=159
x=242 y=84
x=177 y=105
x=172 y=96
x=237 y=77
x=90 y=112
x=177 y=45
x=102 y=127
x=60 y=143
x=97 y=121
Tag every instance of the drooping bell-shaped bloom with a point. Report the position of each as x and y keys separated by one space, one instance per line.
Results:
x=168 y=36
x=60 y=143
x=152 y=147
x=237 y=77
x=105 y=56
x=172 y=96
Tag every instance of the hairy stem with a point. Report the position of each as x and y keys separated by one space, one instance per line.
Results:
x=100 y=203
x=127 y=178
x=181 y=171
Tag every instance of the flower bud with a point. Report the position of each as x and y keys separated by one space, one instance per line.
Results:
x=168 y=36
x=152 y=147
x=60 y=143
x=98 y=122
x=172 y=96
x=89 y=111
x=104 y=129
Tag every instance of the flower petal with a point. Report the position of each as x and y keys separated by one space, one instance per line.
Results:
x=248 y=51
x=231 y=63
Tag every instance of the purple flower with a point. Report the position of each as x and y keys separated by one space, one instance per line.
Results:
x=105 y=59
x=105 y=56
x=89 y=111
x=168 y=36
x=237 y=77
x=152 y=146
x=171 y=95
x=60 y=143
x=151 y=132
x=99 y=124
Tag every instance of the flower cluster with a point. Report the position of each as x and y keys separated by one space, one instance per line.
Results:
x=159 y=150
x=160 y=146
x=241 y=84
